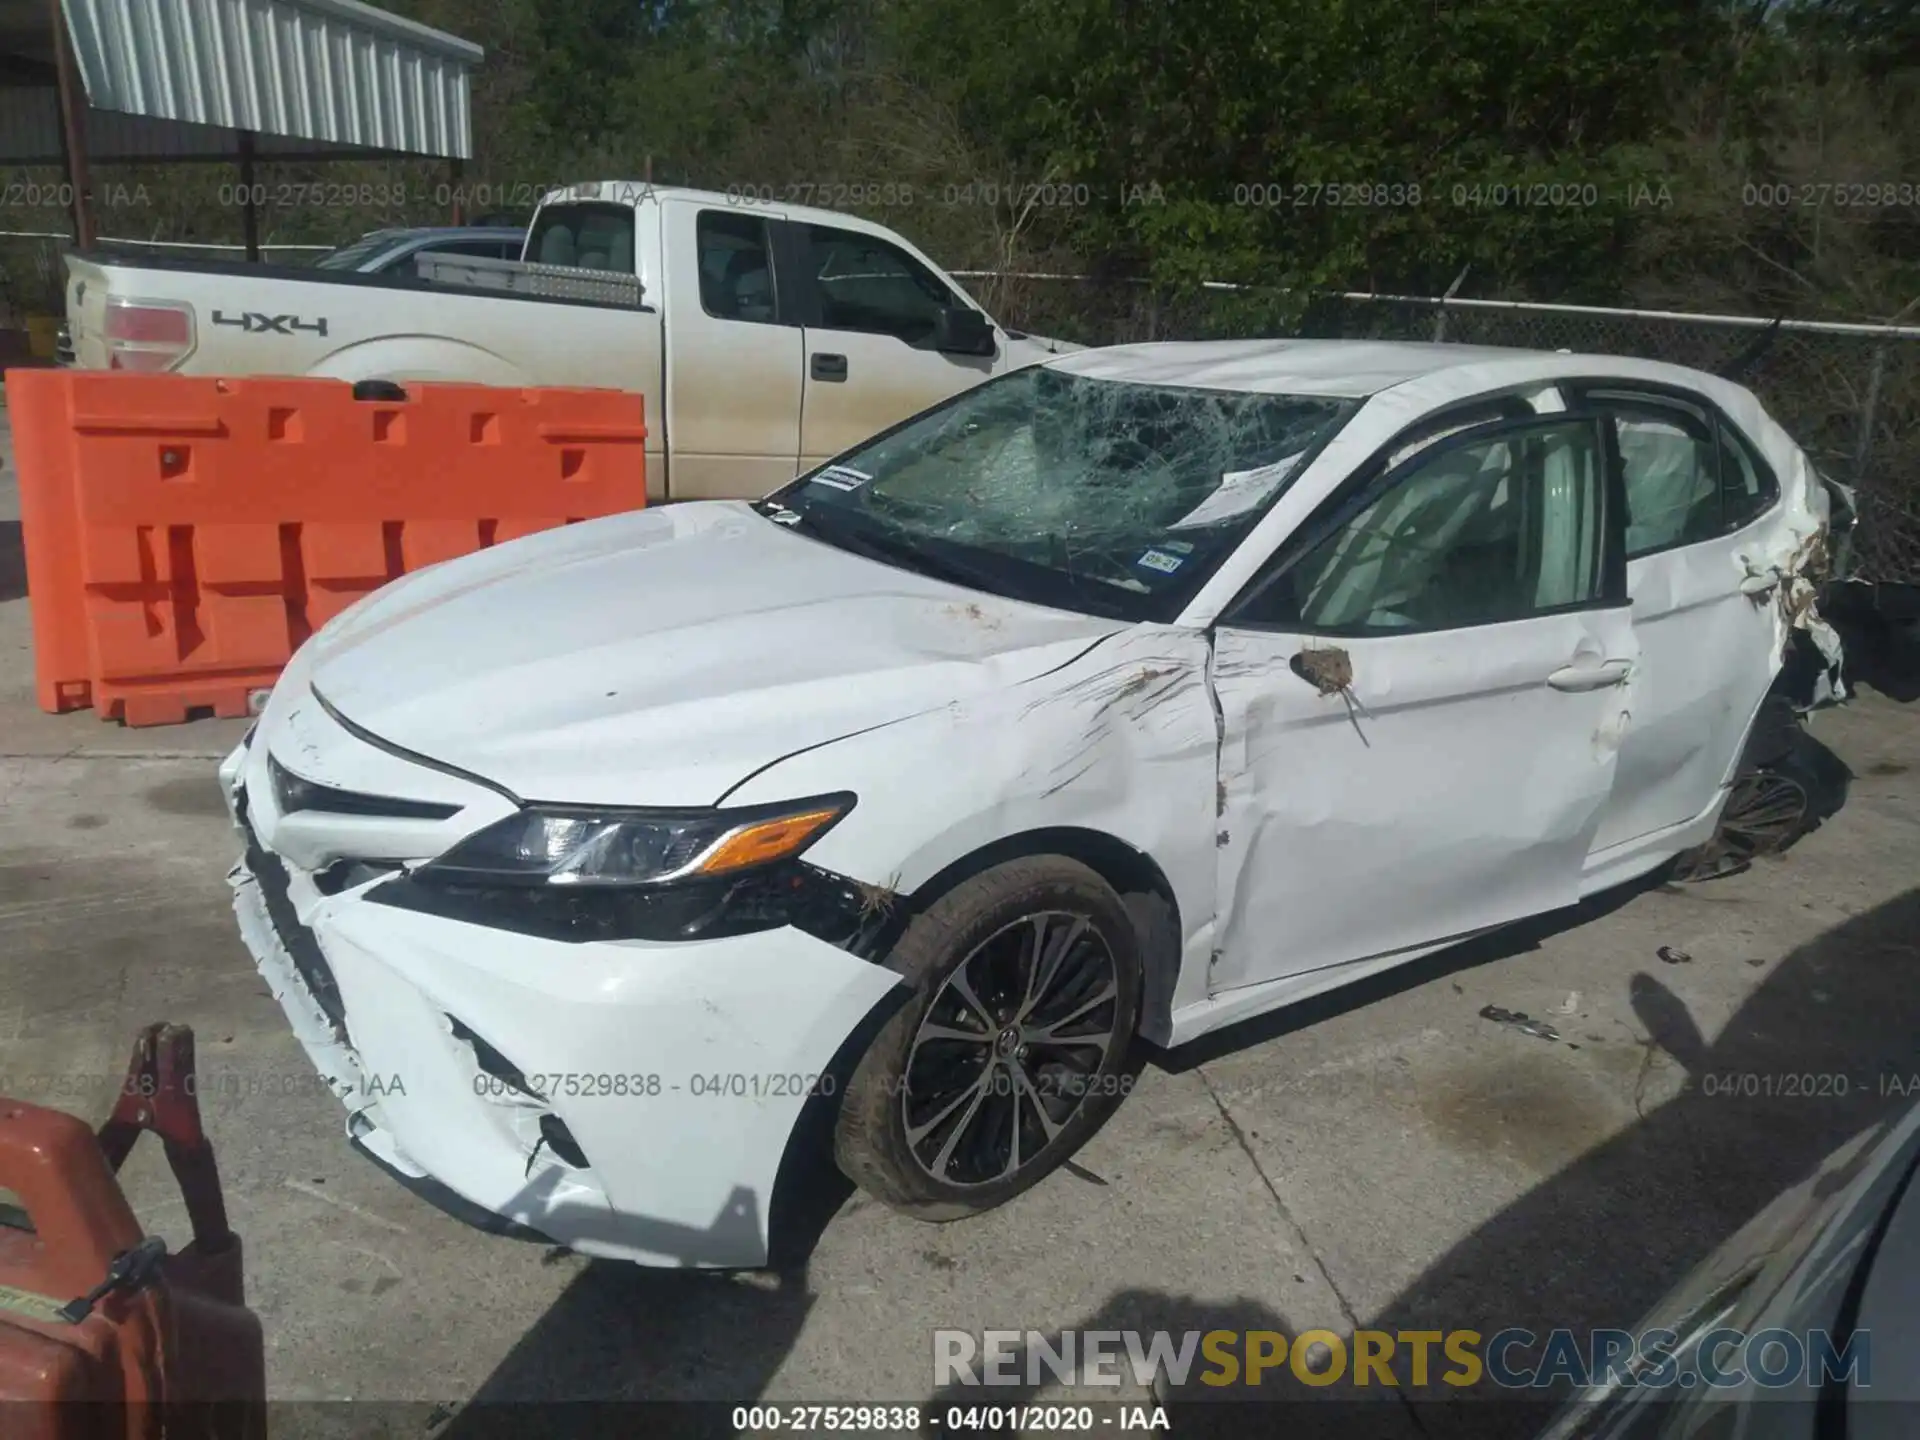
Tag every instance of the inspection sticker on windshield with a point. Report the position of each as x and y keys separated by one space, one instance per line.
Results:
x=842 y=477
x=1164 y=561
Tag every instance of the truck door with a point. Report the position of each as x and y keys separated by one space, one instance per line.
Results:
x=734 y=355
x=869 y=308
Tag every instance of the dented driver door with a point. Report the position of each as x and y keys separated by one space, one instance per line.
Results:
x=1421 y=701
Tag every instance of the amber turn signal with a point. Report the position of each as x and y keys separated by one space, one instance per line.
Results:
x=764 y=840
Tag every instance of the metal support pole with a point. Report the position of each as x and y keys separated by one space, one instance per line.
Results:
x=73 y=128
x=249 y=209
x=1440 y=312
x=1863 y=447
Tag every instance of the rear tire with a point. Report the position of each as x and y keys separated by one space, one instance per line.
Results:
x=1012 y=1050
x=1770 y=808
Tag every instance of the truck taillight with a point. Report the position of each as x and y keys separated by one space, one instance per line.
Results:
x=147 y=334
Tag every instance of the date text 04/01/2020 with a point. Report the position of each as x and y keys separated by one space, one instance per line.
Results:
x=643 y=1085
x=739 y=1086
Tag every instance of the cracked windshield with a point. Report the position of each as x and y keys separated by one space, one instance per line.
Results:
x=1097 y=495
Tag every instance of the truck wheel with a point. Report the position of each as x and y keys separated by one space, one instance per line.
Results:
x=1010 y=1053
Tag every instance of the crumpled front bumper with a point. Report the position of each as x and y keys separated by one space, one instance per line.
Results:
x=677 y=1071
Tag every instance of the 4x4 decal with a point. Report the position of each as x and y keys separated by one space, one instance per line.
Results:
x=254 y=323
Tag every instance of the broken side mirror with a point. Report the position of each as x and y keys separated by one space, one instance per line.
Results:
x=959 y=330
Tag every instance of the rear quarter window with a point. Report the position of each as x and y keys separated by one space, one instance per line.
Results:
x=584 y=236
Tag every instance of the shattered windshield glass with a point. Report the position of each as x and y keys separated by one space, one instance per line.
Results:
x=1097 y=495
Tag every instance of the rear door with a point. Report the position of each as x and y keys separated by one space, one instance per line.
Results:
x=869 y=311
x=1421 y=700
x=1698 y=496
x=735 y=354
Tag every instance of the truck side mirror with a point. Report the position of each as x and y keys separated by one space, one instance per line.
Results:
x=959 y=330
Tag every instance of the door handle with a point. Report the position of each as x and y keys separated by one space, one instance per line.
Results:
x=1590 y=677
x=1760 y=584
x=828 y=367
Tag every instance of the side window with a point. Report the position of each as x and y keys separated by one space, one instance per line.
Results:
x=1474 y=531
x=864 y=283
x=1670 y=460
x=736 y=267
x=1747 y=487
x=587 y=236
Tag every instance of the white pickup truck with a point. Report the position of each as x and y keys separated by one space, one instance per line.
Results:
x=765 y=337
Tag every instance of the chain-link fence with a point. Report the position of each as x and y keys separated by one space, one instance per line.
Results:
x=1850 y=394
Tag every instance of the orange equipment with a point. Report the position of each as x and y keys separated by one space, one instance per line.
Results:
x=103 y=1334
x=184 y=534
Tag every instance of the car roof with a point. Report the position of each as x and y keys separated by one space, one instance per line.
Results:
x=1345 y=368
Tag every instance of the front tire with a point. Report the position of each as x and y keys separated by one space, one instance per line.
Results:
x=1012 y=1051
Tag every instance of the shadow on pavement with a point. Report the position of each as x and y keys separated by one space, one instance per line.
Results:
x=1515 y=939
x=1198 y=1407
x=1602 y=1241
x=13 y=561
x=1595 y=1245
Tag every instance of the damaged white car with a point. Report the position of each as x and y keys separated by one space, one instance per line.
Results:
x=1127 y=695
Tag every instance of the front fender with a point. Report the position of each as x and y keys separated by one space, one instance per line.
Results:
x=1122 y=741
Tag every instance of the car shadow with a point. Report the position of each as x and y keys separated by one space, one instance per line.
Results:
x=13 y=561
x=1823 y=1050
x=620 y=1334
x=1196 y=1405
x=1503 y=944
x=1832 y=778
x=1596 y=1244
x=1599 y=1243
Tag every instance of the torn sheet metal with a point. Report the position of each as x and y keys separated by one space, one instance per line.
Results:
x=1121 y=742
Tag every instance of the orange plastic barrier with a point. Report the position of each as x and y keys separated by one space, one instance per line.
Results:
x=185 y=534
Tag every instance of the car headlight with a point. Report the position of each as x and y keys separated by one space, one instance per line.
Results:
x=578 y=846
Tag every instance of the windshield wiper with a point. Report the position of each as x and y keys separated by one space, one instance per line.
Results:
x=940 y=567
x=863 y=537
x=866 y=539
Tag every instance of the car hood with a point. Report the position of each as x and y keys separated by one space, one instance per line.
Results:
x=661 y=657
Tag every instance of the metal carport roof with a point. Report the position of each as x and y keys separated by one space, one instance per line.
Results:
x=333 y=70
x=181 y=79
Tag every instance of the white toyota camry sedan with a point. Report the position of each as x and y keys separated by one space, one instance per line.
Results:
x=609 y=873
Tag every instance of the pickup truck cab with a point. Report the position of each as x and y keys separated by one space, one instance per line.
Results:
x=766 y=338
